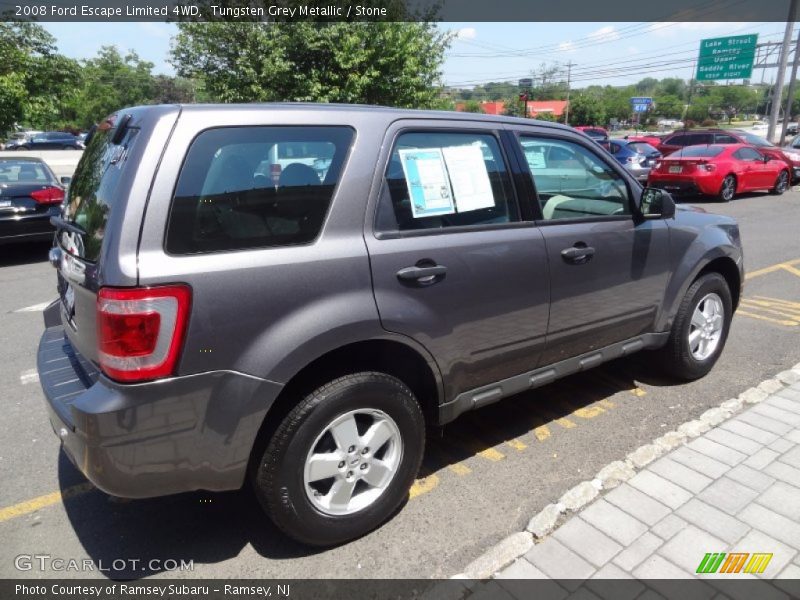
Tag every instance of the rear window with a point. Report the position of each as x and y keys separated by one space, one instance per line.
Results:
x=255 y=187
x=92 y=191
x=757 y=141
x=698 y=151
x=641 y=147
x=24 y=171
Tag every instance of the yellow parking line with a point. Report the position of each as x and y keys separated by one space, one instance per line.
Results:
x=784 y=266
x=517 y=444
x=766 y=309
x=423 y=486
x=794 y=305
x=459 y=469
x=29 y=506
x=762 y=318
x=792 y=270
x=607 y=403
x=542 y=432
x=619 y=383
x=491 y=454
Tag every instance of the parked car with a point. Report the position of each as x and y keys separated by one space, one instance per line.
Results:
x=29 y=195
x=596 y=133
x=654 y=139
x=693 y=137
x=637 y=157
x=721 y=171
x=760 y=126
x=51 y=140
x=213 y=328
x=792 y=152
x=18 y=138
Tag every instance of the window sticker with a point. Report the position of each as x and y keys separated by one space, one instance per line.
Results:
x=469 y=178
x=428 y=184
x=535 y=157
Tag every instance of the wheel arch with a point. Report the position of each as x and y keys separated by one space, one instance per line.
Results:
x=392 y=355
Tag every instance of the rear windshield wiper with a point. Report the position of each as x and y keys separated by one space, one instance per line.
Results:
x=70 y=226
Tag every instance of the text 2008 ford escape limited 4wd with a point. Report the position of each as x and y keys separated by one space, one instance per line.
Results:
x=290 y=294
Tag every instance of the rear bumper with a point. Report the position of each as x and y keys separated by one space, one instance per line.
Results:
x=677 y=187
x=27 y=227
x=151 y=439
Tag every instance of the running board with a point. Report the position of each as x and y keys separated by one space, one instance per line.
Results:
x=493 y=392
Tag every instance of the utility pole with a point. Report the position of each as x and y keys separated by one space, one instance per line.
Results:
x=777 y=94
x=787 y=114
x=569 y=73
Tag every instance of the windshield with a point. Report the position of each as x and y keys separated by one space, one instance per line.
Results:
x=699 y=151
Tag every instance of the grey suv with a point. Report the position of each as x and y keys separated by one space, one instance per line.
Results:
x=290 y=294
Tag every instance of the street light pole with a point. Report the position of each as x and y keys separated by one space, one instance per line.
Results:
x=787 y=114
x=777 y=94
x=566 y=108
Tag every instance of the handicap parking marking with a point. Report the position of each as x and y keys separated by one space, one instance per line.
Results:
x=790 y=266
x=771 y=310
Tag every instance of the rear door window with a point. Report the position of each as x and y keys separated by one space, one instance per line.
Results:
x=441 y=180
x=255 y=187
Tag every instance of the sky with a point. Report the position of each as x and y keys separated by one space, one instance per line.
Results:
x=601 y=53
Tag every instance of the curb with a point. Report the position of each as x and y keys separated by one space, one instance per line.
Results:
x=613 y=474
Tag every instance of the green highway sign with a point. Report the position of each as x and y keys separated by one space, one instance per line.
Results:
x=726 y=57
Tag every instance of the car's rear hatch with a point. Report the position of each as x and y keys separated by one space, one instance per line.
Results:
x=99 y=229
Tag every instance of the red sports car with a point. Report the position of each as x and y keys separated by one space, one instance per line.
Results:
x=652 y=139
x=719 y=170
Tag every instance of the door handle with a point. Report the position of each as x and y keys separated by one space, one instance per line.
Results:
x=578 y=254
x=422 y=275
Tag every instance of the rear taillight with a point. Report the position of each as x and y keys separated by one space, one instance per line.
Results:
x=48 y=195
x=707 y=167
x=140 y=331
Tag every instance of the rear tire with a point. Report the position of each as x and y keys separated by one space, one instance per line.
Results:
x=700 y=329
x=342 y=461
x=728 y=189
x=781 y=183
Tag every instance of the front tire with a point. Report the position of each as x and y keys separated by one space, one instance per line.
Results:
x=342 y=461
x=700 y=329
x=781 y=183
x=728 y=189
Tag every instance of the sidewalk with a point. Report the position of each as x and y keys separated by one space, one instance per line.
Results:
x=726 y=483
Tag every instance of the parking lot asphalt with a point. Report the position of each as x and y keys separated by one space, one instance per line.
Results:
x=482 y=478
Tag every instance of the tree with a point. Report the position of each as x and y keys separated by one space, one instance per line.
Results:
x=390 y=63
x=33 y=77
x=668 y=106
x=472 y=106
x=586 y=109
x=111 y=82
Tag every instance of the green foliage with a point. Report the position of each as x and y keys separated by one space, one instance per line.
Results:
x=668 y=106
x=110 y=82
x=396 y=64
x=472 y=106
x=546 y=116
x=587 y=109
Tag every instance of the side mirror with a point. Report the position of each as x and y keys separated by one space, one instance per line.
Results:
x=66 y=180
x=767 y=158
x=656 y=203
